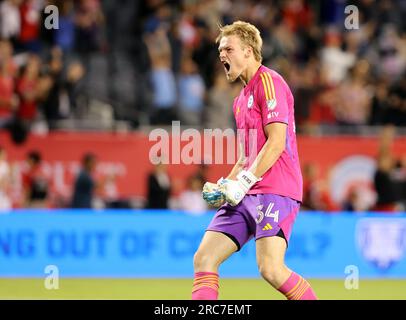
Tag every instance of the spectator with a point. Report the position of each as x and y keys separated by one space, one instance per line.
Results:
x=191 y=93
x=88 y=19
x=159 y=188
x=51 y=103
x=316 y=195
x=395 y=113
x=10 y=23
x=8 y=99
x=162 y=78
x=28 y=90
x=30 y=26
x=191 y=199
x=36 y=182
x=379 y=103
x=335 y=62
x=85 y=184
x=65 y=35
x=220 y=100
x=5 y=180
x=74 y=90
x=354 y=98
x=384 y=184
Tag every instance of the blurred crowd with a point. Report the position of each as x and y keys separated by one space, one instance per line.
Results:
x=42 y=65
x=31 y=184
x=339 y=77
x=154 y=61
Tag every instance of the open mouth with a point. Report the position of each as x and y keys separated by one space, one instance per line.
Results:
x=226 y=66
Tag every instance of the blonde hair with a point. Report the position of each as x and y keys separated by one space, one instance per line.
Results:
x=248 y=34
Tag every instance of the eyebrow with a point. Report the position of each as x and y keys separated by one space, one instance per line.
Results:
x=224 y=47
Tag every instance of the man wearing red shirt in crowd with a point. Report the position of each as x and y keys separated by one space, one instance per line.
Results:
x=28 y=88
x=30 y=23
x=8 y=100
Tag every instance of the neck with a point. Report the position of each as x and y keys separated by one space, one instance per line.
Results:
x=249 y=72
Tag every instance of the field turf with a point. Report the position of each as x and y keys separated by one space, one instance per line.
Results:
x=179 y=289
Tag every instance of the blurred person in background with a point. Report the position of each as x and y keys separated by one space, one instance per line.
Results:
x=85 y=185
x=54 y=77
x=28 y=88
x=335 y=62
x=89 y=19
x=391 y=50
x=395 y=113
x=10 y=23
x=399 y=177
x=158 y=188
x=191 y=199
x=353 y=102
x=36 y=181
x=192 y=92
x=384 y=183
x=65 y=35
x=73 y=91
x=316 y=195
x=5 y=181
x=220 y=97
x=357 y=199
x=30 y=15
x=8 y=98
x=379 y=102
x=164 y=93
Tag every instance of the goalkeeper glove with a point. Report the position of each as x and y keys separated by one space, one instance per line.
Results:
x=235 y=190
x=212 y=194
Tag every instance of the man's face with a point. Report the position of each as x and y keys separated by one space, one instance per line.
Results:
x=233 y=56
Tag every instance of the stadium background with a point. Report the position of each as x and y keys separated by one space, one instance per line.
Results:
x=116 y=70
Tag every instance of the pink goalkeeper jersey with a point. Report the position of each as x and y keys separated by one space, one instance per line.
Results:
x=264 y=100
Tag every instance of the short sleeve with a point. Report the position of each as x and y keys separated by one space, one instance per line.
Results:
x=272 y=99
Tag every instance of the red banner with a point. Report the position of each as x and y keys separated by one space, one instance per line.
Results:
x=125 y=158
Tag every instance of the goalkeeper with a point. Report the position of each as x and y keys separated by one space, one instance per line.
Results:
x=261 y=196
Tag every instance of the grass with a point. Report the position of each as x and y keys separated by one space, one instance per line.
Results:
x=179 y=289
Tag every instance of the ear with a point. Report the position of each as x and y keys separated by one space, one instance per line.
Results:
x=248 y=51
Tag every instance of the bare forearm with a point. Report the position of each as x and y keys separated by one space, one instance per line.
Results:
x=266 y=158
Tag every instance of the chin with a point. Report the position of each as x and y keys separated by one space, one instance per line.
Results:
x=231 y=78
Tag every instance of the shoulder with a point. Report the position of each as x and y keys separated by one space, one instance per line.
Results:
x=270 y=83
x=271 y=77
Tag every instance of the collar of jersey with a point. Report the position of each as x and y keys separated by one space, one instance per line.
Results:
x=256 y=75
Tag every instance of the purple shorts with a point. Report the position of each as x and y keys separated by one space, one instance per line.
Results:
x=259 y=215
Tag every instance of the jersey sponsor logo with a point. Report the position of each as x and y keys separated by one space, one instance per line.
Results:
x=267 y=227
x=273 y=114
x=271 y=104
x=250 y=101
x=238 y=110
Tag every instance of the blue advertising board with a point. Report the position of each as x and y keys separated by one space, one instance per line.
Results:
x=162 y=244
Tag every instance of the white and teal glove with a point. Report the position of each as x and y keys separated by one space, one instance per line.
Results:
x=235 y=190
x=212 y=194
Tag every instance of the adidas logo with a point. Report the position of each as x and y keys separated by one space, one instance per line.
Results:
x=267 y=227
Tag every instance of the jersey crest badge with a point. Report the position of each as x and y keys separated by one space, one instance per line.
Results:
x=250 y=101
x=271 y=104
